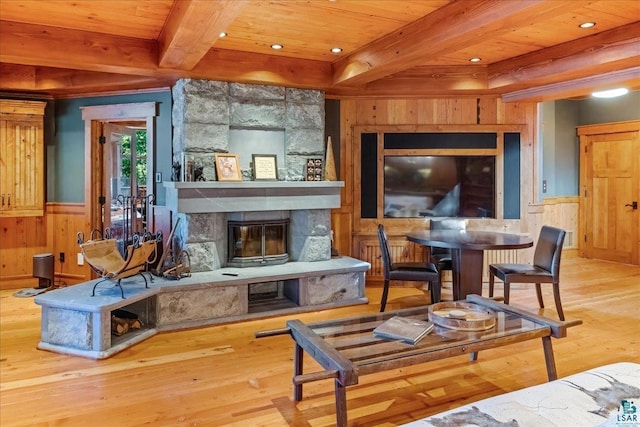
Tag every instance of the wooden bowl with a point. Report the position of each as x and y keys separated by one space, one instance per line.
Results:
x=462 y=316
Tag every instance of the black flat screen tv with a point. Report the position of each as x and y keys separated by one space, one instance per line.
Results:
x=439 y=186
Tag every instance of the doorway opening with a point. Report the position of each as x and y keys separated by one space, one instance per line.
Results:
x=119 y=184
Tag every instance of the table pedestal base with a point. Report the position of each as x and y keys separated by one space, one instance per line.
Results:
x=467 y=272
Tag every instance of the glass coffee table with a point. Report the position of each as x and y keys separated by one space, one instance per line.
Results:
x=346 y=348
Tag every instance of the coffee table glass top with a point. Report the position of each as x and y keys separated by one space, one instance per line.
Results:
x=353 y=337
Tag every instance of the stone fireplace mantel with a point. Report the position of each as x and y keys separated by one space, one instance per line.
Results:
x=215 y=196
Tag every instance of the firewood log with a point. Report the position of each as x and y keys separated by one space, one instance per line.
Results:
x=133 y=323
x=119 y=326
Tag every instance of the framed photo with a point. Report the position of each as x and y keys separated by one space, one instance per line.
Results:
x=228 y=167
x=313 y=169
x=265 y=167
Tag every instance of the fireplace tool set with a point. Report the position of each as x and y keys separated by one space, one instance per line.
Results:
x=178 y=265
x=133 y=216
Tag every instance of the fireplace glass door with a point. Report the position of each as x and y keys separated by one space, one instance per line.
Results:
x=253 y=243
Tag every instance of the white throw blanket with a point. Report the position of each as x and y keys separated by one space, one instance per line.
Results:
x=604 y=396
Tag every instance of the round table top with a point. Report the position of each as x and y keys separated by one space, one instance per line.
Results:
x=469 y=239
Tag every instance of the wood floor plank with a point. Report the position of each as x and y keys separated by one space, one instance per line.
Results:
x=223 y=376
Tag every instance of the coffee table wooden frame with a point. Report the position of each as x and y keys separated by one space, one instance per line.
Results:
x=355 y=335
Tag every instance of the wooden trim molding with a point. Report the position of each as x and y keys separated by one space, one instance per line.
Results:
x=598 y=129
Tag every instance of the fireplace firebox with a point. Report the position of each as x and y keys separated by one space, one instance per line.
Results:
x=256 y=243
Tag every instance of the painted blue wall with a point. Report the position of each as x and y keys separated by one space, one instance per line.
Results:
x=559 y=143
x=65 y=146
x=593 y=111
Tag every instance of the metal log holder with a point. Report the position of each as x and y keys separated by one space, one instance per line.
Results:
x=103 y=256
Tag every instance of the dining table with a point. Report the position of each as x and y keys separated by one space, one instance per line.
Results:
x=467 y=253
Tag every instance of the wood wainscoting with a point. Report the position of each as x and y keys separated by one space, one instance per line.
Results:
x=64 y=220
x=405 y=251
x=55 y=232
x=20 y=239
x=562 y=212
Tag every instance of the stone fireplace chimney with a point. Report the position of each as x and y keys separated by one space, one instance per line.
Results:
x=205 y=114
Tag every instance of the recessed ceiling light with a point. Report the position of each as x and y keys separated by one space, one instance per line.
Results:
x=336 y=49
x=222 y=34
x=276 y=46
x=475 y=59
x=611 y=93
x=587 y=25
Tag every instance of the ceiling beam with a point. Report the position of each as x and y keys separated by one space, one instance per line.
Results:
x=29 y=44
x=192 y=28
x=221 y=65
x=459 y=80
x=619 y=48
x=43 y=79
x=231 y=65
x=450 y=28
x=576 y=88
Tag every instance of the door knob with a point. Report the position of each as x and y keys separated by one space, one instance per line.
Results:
x=633 y=205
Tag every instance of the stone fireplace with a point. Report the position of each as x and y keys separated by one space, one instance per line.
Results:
x=219 y=117
x=204 y=210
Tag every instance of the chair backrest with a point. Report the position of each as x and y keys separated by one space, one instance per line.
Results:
x=446 y=224
x=549 y=249
x=385 y=252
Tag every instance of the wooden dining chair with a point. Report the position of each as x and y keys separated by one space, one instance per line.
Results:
x=545 y=268
x=406 y=271
x=441 y=257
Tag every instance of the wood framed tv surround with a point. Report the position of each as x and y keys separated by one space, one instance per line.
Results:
x=369 y=148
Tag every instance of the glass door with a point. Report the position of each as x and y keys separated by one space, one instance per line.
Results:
x=125 y=179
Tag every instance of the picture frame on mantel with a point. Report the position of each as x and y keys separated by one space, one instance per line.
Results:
x=228 y=167
x=313 y=169
x=264 y=167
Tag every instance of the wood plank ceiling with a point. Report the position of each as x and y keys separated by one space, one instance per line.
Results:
x=529 y=50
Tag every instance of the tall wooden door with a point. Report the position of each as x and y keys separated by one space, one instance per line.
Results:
x=610 y=192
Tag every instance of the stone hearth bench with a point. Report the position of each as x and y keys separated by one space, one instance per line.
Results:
x=605 y=396
x=73 y=322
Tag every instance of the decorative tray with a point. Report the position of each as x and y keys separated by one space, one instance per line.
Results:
x=462 y=316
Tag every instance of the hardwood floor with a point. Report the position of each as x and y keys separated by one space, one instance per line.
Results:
x=221 y=375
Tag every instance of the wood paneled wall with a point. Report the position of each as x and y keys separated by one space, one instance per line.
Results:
x=64 y=221
x=483 y=112
x=20 y=239
x=23 y=237
x=563 y=212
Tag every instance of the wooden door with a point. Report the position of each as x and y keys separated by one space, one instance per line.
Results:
x=610 y=190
